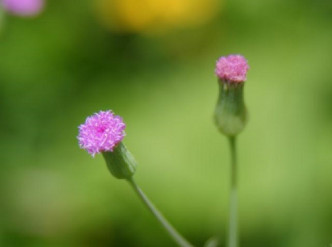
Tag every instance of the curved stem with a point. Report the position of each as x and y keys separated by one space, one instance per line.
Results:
x=232 y=230
x=181 y=241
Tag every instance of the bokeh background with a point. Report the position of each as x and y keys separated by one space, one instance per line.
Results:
x=152 y=62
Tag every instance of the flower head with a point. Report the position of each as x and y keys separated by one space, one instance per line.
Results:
x=101 y=132
x=232 y=68
x=23 y=7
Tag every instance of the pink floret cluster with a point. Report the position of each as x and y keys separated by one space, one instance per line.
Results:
x=23 y=7
x=101 y=132
x=232 y=68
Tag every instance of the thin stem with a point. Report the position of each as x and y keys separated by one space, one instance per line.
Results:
x=181 y=241
x=232 y=230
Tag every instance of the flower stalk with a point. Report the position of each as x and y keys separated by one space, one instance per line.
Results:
x=233 y=229
x=174 y=234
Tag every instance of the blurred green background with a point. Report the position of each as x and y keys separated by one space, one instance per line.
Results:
x=152 y=62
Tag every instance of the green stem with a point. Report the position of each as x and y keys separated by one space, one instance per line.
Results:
x=181 y=241
x=233 y=232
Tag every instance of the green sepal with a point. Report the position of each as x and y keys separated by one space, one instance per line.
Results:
x=120 y=162
x=230 y=113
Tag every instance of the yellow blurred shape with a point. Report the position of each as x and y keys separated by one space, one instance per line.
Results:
x=151 y=15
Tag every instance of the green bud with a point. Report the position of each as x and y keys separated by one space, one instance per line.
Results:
x=230 y=114
x=120 y=162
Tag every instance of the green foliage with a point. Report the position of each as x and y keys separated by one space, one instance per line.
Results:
x=63 y=66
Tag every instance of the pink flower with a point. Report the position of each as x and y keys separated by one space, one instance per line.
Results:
x=232 y=68
x=101 y=132
x=23 y=7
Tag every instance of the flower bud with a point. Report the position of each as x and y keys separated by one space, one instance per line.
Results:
x=120 y=162
x=103 y=133
x=230 y=112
